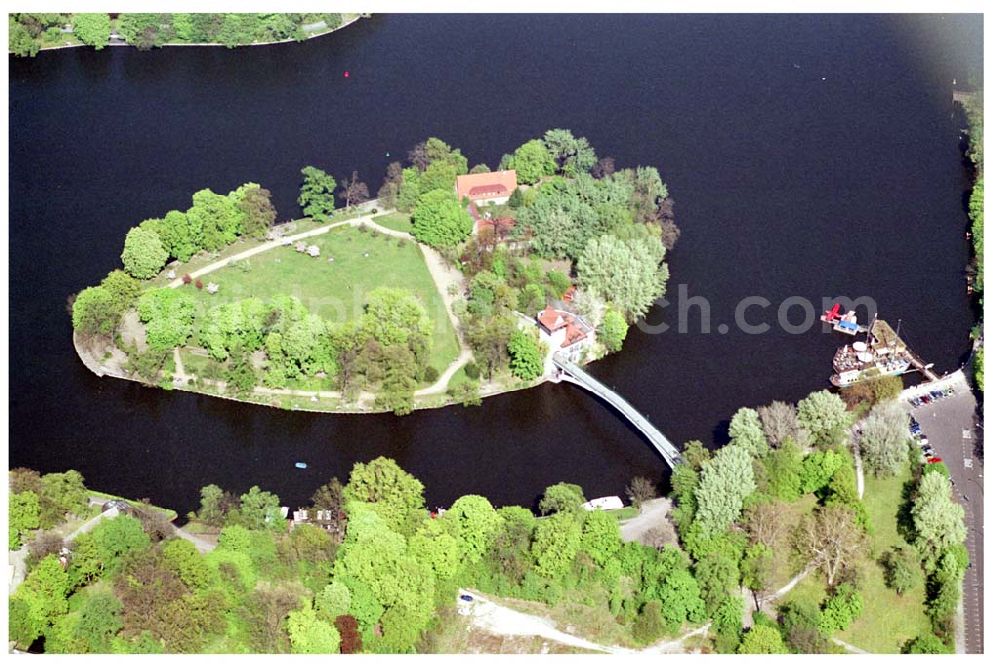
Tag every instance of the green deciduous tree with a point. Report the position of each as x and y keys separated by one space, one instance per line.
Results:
x=475 y=523
x=600 y=538
x=532 y=161
x=169 y=317
x=784 y=472
x=885 y=439
x=819 y=467
x=333 y=601
x=23 y=515
x=825 y=417
x=311 y=635
x=259 y=510
x=439 y=219
x=144 y=255
x=398 y=496
x=726 y=480
x=525 y=354
x=258 y=212
x=902 y=568
x=100 y=620
x=613 y=330
x=556 y=543
x=62 y=493
x=317 y=195
x=762 y=639
x=433 y=545
x=745 y=431
x=926 y=643
x=92 y=29
x=627 y=273
x=218 y=216
x=561 y=497
x=939 y=522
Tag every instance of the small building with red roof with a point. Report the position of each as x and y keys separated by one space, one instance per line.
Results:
x=492 y=187
x=571 y=332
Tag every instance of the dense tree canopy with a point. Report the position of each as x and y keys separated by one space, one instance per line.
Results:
x=825 y=418
x=439 y=219
x=92 y=29
x=144 y=255
x=627 y=273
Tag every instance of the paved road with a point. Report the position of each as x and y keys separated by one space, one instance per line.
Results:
x=952 y=430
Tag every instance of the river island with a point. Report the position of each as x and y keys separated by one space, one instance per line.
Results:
x=452 y=285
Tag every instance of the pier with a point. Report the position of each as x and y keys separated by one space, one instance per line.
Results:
x=571 y=372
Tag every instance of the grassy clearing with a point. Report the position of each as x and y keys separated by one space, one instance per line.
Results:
x=395 y=221
x=336 y=284
x=888 y=619
x=624 y=513
x=583 y=613
x=454 y=634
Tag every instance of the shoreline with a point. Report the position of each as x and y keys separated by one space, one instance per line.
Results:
x=101 y=371
x=238 y=46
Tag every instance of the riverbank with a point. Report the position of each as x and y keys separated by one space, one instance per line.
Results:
x=121 y=42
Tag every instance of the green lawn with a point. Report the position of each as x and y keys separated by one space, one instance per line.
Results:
x=888 y=620
x=396 y=221
x=336 y=284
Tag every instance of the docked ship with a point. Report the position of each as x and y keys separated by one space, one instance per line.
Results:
x=882 y=354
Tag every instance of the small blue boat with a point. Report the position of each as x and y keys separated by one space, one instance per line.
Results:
x=301 y=465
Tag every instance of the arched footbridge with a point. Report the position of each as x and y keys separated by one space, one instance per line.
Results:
x=569 y=371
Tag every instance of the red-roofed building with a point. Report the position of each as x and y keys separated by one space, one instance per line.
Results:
x=569 y=330
x=492 y=187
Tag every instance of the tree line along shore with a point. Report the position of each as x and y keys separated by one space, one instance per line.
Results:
x=31 y=33
x=769 y=548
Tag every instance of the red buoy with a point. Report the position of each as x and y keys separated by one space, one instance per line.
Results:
x=346 y=74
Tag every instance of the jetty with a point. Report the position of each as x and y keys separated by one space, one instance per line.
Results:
x=571 y=372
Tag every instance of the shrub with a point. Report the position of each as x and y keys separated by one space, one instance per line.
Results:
x=431 y=374
x=473 y=371
x=198 y=283
x=186 y=279
x=650 y=624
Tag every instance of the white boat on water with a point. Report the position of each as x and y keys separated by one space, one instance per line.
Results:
x=604 y=504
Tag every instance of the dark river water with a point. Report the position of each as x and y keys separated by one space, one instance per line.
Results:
x=809 y=156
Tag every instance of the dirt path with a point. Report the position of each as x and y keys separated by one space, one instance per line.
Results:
x=501 y=620
x=653 y=514
x=850 y=648
x=498 y=619
x=448 y=281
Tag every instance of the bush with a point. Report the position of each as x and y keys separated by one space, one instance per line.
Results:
x=198 y=283
x=650 y=624
x=473 y=371
x=186 y=279
x=431 y=374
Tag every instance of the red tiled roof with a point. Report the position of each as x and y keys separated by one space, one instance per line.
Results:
x=551 y=319
x=486 y=185
x=573 y=334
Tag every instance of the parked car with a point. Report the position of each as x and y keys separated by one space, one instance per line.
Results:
x=915 y=401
